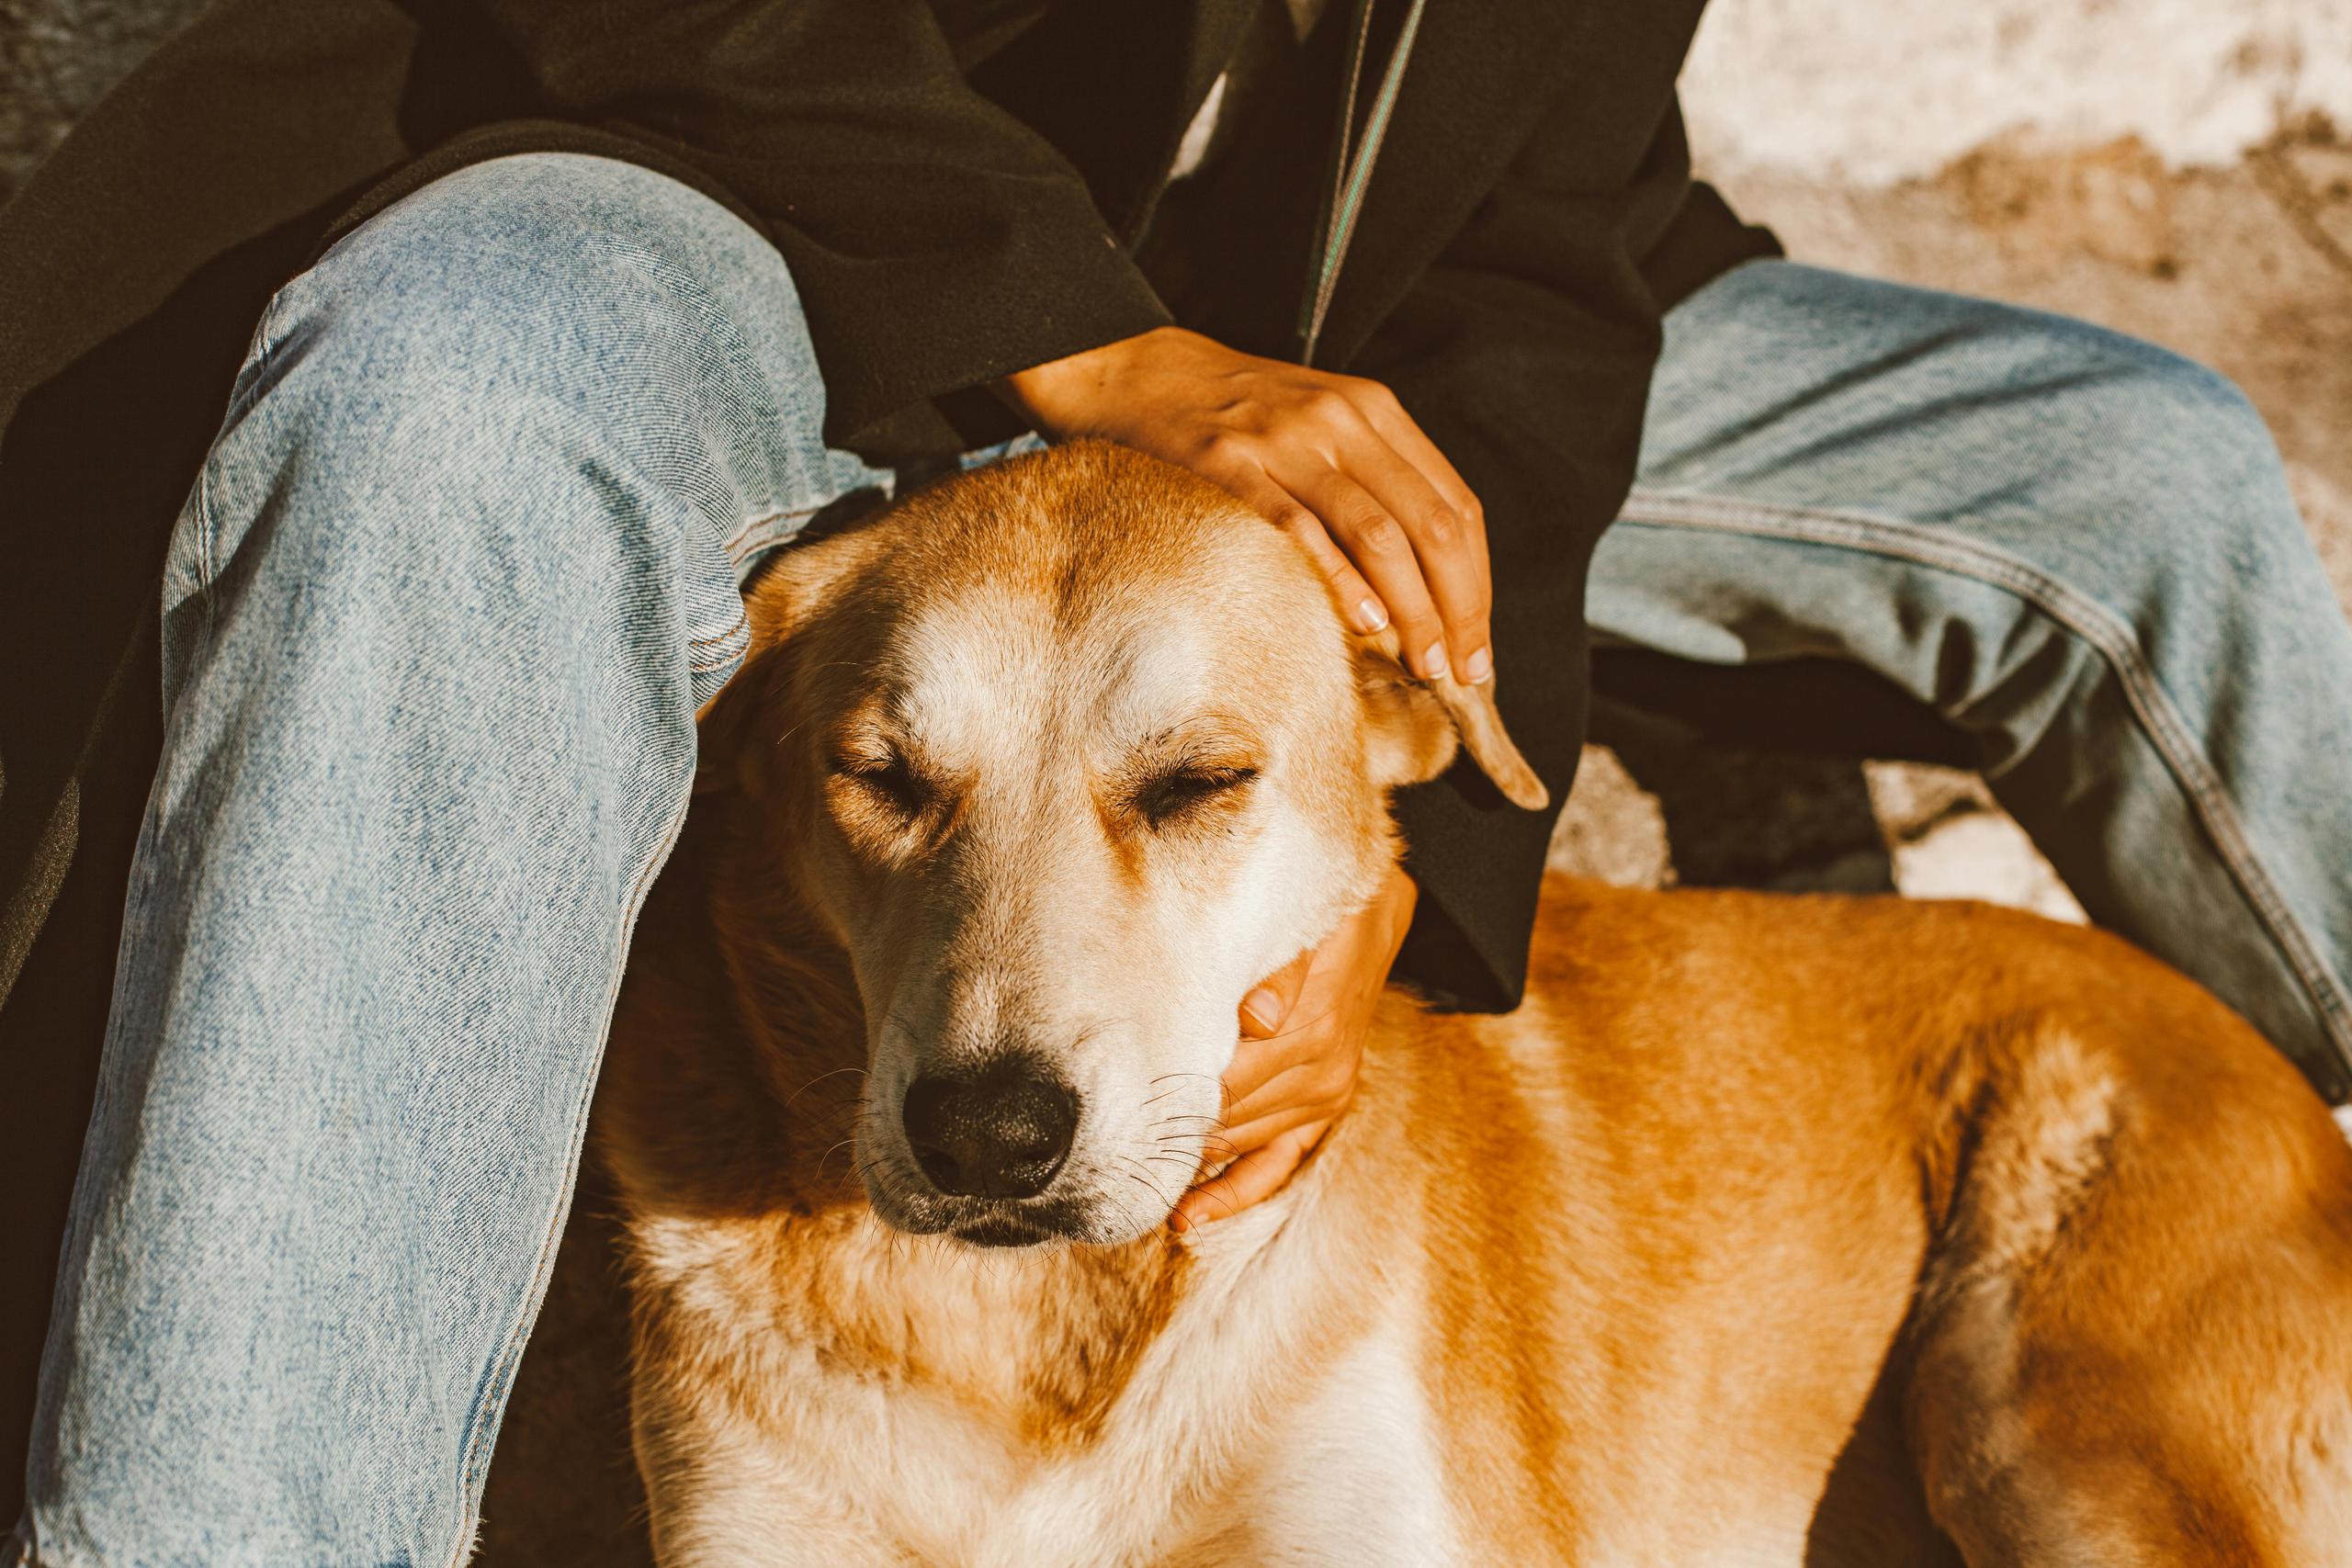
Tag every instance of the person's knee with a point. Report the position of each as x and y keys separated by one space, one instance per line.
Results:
x=2166 y=427
x=566 y=289
x=2175 y=464
x=2184 y=424
x=487 y=348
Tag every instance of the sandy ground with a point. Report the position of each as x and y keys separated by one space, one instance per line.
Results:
x=1869 y=92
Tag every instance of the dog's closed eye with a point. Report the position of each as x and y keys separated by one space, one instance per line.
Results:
x=1183 y=792
x=886 y=779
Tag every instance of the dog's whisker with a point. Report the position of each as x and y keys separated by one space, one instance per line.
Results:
x=820 y=1077
x=1144 y=1175
x=1157 y=1196
x=1213 y=1134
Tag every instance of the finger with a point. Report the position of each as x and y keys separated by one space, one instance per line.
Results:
x=1254 y=1061
x=1265 y=1071
x=1328 y=989
x=1361 y=605
x=1249 y=1180
x=1365 y=613
x=1383 y=551
x=1257 y=1063
x=1312 y=1065
x=1291 y=1110
x=1451 y=544
x=1399 y=429
x=1452 y=553
x=1270 y=999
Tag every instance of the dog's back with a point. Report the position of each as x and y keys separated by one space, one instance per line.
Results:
x=1742 y=1159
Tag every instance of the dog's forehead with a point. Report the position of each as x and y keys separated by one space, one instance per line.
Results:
x=1089 y=597
x=983 y=672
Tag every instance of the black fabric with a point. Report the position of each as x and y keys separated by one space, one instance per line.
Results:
x=1806 y=707
x=1538 y=305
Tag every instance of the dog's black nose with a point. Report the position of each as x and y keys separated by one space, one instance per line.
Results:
x=1001 y=1134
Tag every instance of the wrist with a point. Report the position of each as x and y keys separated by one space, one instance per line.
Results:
x=1053 y=396
x=1068 y=396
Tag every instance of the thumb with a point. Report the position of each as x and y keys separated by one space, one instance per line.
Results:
x=1270 y=999
x=1255 y=1176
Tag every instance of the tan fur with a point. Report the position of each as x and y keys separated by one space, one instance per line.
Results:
x=1670 y=1266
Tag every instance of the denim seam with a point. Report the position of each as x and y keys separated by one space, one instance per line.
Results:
x=735 y=541
x=208 y=534
x=204 y=537
x=487 y=1416
x=725 y=657
x=2080 y=615
x=724 y=640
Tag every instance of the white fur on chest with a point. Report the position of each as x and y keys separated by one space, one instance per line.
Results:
x=1348 y=1476
x=1215 y=1452
x=1354 y=1476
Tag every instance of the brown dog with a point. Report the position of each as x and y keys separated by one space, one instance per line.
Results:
x=1030 y=778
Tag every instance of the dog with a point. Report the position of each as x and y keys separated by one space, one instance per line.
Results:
x=1770 y=1230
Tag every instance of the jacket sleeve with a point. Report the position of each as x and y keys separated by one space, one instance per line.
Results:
x=1525 y=352
x=935 y=242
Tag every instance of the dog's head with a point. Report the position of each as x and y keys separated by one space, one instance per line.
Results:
x=1067 y=753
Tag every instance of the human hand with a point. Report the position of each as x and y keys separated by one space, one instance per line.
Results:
x=1335 y=460
x=1294 y=1071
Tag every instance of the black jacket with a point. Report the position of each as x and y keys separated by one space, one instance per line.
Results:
x=959 y=188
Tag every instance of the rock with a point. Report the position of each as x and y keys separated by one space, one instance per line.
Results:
x=1611 y=829
x=1912 y=799
x=1983 y=855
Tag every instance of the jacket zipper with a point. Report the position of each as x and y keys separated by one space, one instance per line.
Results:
x=1351 y=166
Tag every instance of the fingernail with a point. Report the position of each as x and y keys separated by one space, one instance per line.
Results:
x=1370 y=615
x=1479 y=666
x=1264 y=1008
x=1433 y=664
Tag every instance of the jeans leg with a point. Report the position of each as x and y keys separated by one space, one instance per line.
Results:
x=459 y=569
x=2077 y=548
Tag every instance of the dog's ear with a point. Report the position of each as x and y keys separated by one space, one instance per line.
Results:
x=1412 y=727
x=788 y=592
x=725 y=756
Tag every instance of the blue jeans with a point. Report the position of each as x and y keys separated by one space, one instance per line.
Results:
x=2076 y=548
x=463 y=563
